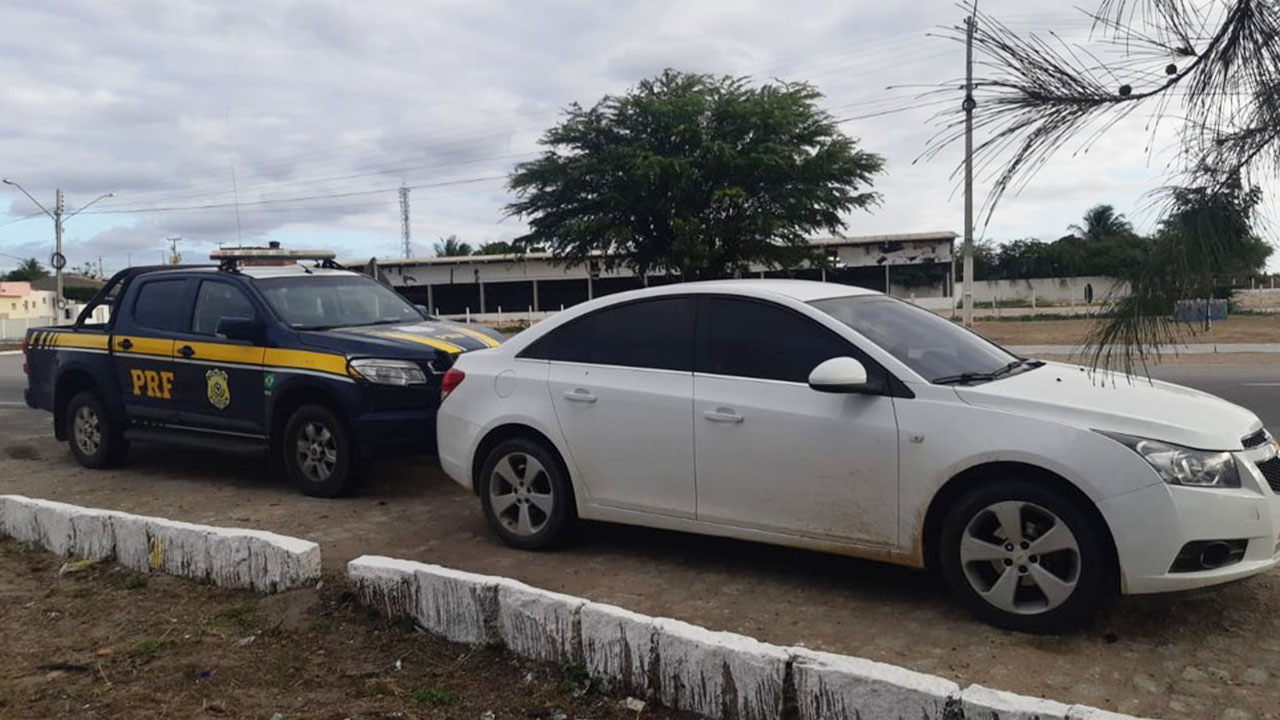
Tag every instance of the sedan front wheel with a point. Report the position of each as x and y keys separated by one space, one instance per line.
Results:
x=1025 y=557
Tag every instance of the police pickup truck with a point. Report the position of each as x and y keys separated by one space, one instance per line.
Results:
x=327 y=368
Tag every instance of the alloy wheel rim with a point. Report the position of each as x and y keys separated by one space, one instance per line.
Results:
x=88 y=430
x=317 y=452
x=521 y=494
x=1020 y=557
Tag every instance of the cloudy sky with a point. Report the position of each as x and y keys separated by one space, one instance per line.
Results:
x=308 y=115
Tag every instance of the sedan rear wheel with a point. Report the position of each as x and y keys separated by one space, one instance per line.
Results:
x=1026 y=557
x=526 y=494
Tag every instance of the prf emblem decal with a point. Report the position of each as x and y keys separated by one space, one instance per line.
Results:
x=153 y=384
x=218 y=389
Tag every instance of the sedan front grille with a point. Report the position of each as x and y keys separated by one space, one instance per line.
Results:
x=1271 y=471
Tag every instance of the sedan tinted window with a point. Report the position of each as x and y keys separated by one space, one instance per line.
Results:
x=752 y=339
x=647 y=334
x=927 y=343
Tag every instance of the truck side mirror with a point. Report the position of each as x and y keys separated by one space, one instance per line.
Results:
x=242 y=328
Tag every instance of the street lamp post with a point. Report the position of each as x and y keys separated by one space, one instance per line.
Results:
x=58 y=261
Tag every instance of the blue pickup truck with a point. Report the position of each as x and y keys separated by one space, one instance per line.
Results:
x=324 y=367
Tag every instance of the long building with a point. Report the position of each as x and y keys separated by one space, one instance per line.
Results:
x=536 y=282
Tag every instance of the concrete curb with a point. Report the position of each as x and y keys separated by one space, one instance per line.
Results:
x=715 y=674
x=227 y=557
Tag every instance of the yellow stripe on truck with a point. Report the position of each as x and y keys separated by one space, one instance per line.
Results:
x=476 y=334
x=87 y=342
x=144 y=346
x=424 y=340
x=224 y=352
x=305 y=360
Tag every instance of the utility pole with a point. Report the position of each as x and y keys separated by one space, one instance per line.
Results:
x=968 y=106
x=174 y=257
x=57 y=260
x=404 y=221
x=60 y=261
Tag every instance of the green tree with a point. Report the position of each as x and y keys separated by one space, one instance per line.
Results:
x=693 y=174
x=1205 y=239
x=452 y=247
x=1101 y=222
x=1208 y=69
x=498 y=247
x=30 y=269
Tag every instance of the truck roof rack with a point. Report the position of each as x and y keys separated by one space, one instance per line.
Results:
x=231 y=259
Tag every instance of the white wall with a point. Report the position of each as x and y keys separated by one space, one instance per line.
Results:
x=1045 y=290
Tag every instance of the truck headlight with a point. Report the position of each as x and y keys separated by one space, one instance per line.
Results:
x=1178 y=465
x=388 y=372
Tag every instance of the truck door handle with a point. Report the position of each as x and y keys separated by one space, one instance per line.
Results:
x=125 y=344
x=579 y=395
x=722 y=415
x=186 y=351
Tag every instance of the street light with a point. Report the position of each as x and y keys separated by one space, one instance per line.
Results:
x=58 y=261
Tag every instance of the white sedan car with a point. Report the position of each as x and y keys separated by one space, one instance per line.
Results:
x=830 y=417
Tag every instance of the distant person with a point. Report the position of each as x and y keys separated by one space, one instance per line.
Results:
x=1088 y=293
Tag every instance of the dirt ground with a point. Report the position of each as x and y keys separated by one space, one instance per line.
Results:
x=1072 y=331
x=1173 y=656
x=109 y=643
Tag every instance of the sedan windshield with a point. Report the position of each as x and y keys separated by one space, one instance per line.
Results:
x=936 y=348
x=324 y=302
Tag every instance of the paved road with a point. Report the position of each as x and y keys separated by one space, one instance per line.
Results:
x=1193 y=655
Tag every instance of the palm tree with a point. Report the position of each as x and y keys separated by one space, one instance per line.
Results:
x=1101 y=222
x=30 y=269
x=452 y=247
x=1209 y=70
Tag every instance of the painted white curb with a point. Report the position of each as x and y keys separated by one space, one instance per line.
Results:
x=716 y=674
x=227 y=557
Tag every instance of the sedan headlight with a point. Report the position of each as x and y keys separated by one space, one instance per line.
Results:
x=1178 y=465
x=389 y=372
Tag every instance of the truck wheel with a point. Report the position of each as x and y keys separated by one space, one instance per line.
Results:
x=95 y=440
x=318 y=452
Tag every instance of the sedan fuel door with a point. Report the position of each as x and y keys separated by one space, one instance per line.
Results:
x=621 y=383
x=776 y=455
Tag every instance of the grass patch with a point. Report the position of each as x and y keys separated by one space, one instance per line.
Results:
x=242 y=617
x=148 y=648
x=137 y=581
x=433 y=697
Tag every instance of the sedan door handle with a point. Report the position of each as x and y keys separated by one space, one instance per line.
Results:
x=722 y=415
x=186 y=351
x=579 y=395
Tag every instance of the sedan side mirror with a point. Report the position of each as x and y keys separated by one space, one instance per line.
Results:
x=241 y=328
x=839 y=375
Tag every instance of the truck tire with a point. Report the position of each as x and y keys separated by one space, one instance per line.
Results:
x=318 y=452
x=96 y=440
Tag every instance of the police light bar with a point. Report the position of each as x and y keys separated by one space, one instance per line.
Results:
x=235 y=254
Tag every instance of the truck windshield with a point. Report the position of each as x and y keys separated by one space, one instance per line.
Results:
x=322 y=303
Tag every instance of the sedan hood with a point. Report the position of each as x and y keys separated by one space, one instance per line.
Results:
x=405 y=340
x=1115 y=402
